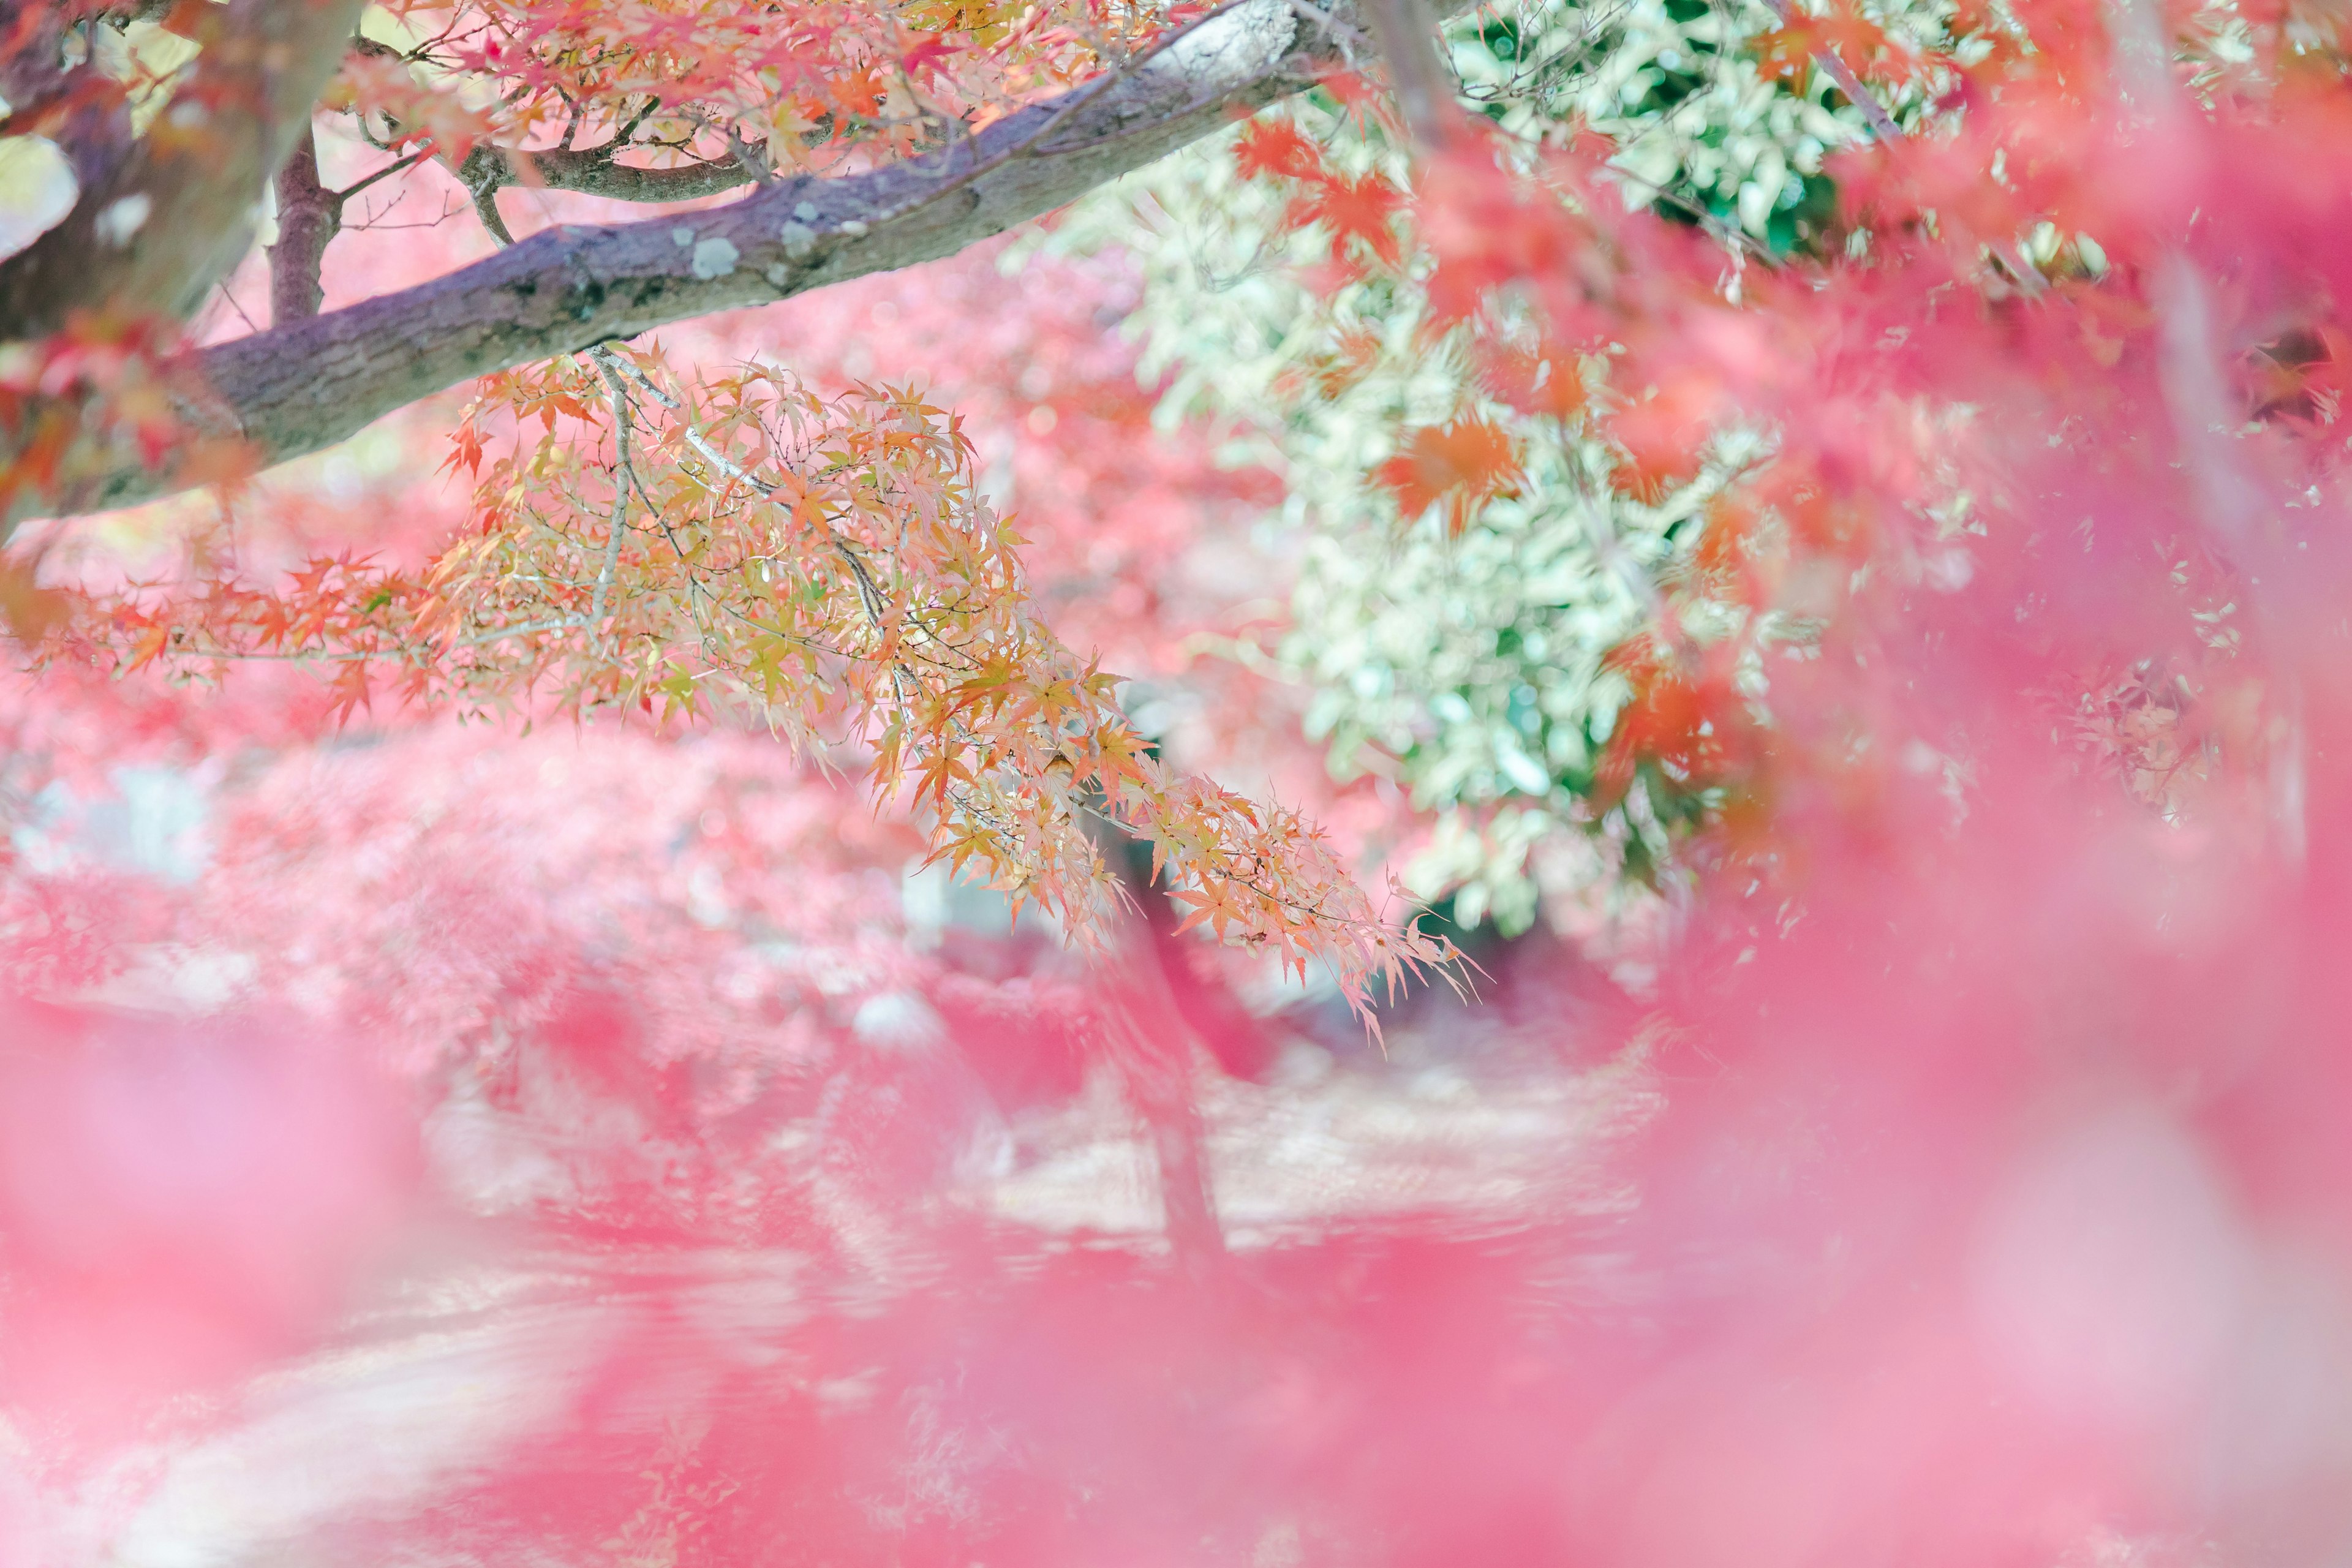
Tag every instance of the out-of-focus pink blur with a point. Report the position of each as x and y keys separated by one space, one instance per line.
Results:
x=636 y=1165
x=182 y=1201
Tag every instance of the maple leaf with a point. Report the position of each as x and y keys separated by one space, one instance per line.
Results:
x=924 y=58
x=858 y=93
x=1663 y=435
x=1458 y=465
x=1352 y=357
x=1489 y=228
x=1787 y=53
x=1275 y=149
x=386 y=86
x=1359 y=209
x=348 y=692
x=1548 y=383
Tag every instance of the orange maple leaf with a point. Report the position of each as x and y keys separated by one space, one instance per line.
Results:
x=1545 y=383
x=1664 y=435
x=1460 y=464
x=1860 y=44
x=350 y=692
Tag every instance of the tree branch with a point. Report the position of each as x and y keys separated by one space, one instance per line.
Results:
x=308 y=217
x=162 y=218
x=307 y=384
x=1420 y=80
x=595 y=173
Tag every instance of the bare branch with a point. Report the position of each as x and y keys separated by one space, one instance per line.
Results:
x=486 y=207
x=396 y=166
x=595 y=173
x=621 y=476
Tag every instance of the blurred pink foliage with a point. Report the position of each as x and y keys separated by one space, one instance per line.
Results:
x=182 y=1201
x=1999 y=1210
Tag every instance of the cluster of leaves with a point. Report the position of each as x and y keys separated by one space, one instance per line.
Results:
x=808 y=87
x=1551 y=497
x=1547 y=559
x=743 y=547
x=1719 y=114
x=1805 y=532
x=1475 y=545
x=821 y=565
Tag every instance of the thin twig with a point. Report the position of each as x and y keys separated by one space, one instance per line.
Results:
x=1838 y=71
x=348 y=191
x=620 y=497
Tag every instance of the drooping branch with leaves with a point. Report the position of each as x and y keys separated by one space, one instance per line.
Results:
x=822 y=566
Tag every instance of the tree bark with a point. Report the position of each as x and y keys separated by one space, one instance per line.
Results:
x=597 y=172
x=308 y=217
x=162 y=219
x=1419 y=80
x=307 y=384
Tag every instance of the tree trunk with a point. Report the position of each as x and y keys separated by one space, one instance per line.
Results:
x=1155 y=1053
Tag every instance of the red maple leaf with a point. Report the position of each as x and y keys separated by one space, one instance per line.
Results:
x=1276 y=149
x=922 y=58
x=1664 y=435
x=1359 y=209
x=1860 y=44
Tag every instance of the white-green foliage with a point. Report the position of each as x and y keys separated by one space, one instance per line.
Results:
x=1467 y=668
x=1693 y=118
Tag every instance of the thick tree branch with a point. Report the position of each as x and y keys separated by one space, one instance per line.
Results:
x=304 y=386
x=162 y=219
